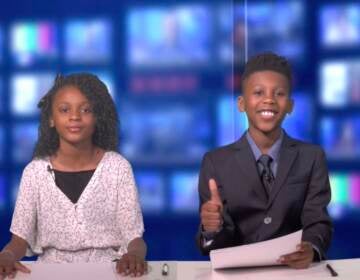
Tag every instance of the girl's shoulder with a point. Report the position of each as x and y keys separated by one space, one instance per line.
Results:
x=113 y=158
x=37 y=164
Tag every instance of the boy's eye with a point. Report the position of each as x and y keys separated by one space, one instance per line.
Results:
x=258 y=92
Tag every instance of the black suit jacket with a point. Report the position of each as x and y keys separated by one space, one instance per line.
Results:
x=298 y=199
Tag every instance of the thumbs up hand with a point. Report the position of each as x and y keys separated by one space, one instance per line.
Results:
x=210 y=213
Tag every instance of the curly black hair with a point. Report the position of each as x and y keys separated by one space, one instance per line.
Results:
x=106 y=127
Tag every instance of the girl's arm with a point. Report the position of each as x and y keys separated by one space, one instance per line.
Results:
x=137 y=247
x=17 y=247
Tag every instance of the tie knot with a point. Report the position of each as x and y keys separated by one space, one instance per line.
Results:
x=265 y=160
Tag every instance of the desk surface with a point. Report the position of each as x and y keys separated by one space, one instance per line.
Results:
x=347 y=269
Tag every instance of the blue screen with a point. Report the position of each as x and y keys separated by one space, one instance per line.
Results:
x=340 y=136
x=27 y=90
x=340 y=83
x=34 y=42
x=151 y=187
x=184 y=192
x=177 y=133
x=88 y=41
x=169 y=36
x=277 y=26
x=340 y=25
x=24 y=139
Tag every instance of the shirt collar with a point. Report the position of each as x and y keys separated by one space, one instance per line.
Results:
x=274 y=151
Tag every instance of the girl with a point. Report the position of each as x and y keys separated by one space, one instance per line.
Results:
x=77 y=199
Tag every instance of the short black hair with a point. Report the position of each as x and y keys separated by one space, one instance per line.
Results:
x=267 y=61
x=106 y=126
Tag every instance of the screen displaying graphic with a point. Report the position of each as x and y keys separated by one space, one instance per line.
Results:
x=26 y=91
x=340 y=137
x=169 y=36
x=345 y=193
x=340 y=25
x=34 y=42
x=184 y=192
x=177 y=133
x=151 y=187
x=88 y=41
x=340 y=83
x=273 y=26
x=24 y=136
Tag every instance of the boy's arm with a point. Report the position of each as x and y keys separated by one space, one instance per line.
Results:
x=207 y=241
x=317 y=225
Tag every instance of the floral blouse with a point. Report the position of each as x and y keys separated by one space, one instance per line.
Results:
x=98 y=228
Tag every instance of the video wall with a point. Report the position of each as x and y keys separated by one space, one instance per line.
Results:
x=173 y=71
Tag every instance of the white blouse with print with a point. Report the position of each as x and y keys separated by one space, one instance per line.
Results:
x=98 y=228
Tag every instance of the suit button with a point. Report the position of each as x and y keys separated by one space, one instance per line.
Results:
x=267 y=220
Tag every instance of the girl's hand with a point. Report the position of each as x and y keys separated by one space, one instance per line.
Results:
x=9 y=266
x=131 y=264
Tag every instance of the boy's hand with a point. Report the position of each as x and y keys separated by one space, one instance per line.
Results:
x=302 y=258
x=9 y=266
x=210 y=214
x=131 y=264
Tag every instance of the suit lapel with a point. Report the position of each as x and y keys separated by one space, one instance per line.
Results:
x=288 y=153
x=247 y=165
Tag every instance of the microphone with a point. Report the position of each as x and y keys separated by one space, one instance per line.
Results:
x=49 y=169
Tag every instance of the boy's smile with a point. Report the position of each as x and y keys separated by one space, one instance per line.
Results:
x=265 y=100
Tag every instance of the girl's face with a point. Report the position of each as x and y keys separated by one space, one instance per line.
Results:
x=72 y=116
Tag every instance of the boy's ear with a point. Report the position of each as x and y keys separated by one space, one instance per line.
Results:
x=241 y=103
x=290 y=106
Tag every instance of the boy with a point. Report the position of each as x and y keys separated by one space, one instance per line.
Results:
x=266 y=184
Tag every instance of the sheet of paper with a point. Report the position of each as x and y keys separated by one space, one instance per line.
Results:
x=258 y=254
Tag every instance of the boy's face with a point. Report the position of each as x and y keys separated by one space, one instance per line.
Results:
x=265 y=100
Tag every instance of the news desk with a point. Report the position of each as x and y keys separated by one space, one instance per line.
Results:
x=188 y=270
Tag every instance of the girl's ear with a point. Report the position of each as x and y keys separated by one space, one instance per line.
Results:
x=51 y=122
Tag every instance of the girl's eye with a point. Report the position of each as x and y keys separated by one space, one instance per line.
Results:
x=63 y=110
x=86 y=110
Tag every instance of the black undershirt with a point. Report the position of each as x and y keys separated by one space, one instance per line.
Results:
x=72 y=184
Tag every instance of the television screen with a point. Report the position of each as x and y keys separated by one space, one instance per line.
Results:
x=24 y=138
x=184 y=192
x=151 y=187
x=276 y=26
x=340 y=84
x=169 y=36
x=3 y=196
x=300 y=122
x=2 y=143
x=231 y=123
x=231 y=36
x=340 y=137
x=88 y=41
x=1 y=46
x=340 y=25
x=26 y=91
x=166 y=133
x=1 y=96
x=34 y=42
x=345 y=193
